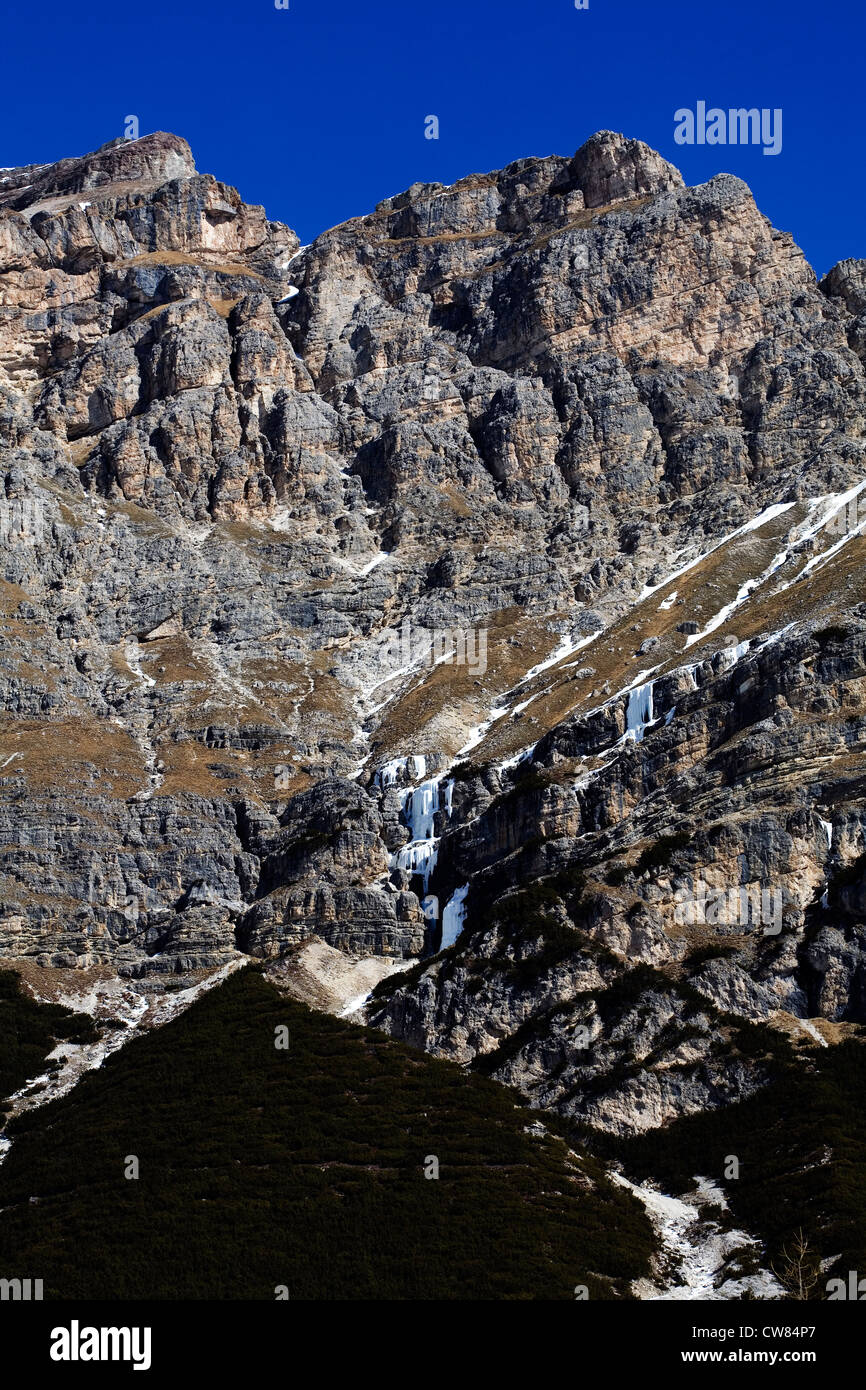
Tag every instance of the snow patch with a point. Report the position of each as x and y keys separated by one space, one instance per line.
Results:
x=355 y=1004
x=812 y=1031
x=696 y=1250
x=761 y=520
x=371 y=564
x=567 y=647
x=478 y=735
x=133 y=661
x=109 y=998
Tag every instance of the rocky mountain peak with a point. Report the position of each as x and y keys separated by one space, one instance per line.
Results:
x=151 y=160
x=610 y=168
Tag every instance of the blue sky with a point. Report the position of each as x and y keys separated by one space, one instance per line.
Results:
x=318 y=111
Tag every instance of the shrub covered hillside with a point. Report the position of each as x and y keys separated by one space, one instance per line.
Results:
x=29 y=1031
x=261 y=1166
x=800 y=1146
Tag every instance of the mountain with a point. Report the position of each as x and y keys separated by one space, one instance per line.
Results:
x=461 y=617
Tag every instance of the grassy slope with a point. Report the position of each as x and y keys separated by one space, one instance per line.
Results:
x=303 y=1167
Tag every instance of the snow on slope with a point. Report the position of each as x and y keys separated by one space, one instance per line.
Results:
x=695 y=1250
x=111 y=998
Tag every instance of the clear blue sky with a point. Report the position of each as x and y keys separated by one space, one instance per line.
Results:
x=318 y=111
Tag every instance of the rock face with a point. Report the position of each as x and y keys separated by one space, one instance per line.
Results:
x=288 y=532
x=710 y=871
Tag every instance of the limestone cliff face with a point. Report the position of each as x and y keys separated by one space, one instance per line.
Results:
x=244 y=481
x=631 y=899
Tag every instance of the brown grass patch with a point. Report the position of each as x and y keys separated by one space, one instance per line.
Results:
x=705 y=589
x=74 y=756
x=200 y=260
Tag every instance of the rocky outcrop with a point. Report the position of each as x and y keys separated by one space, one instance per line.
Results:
x=710 y=871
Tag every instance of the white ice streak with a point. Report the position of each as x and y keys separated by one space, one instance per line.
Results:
x=419 y=806
x=639 y=712
x=731 y=655
x=415 y=765
x=418 y=857
x=454 y=917
x=567 y=647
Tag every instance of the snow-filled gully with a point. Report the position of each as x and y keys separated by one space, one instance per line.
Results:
x=695 y=1251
